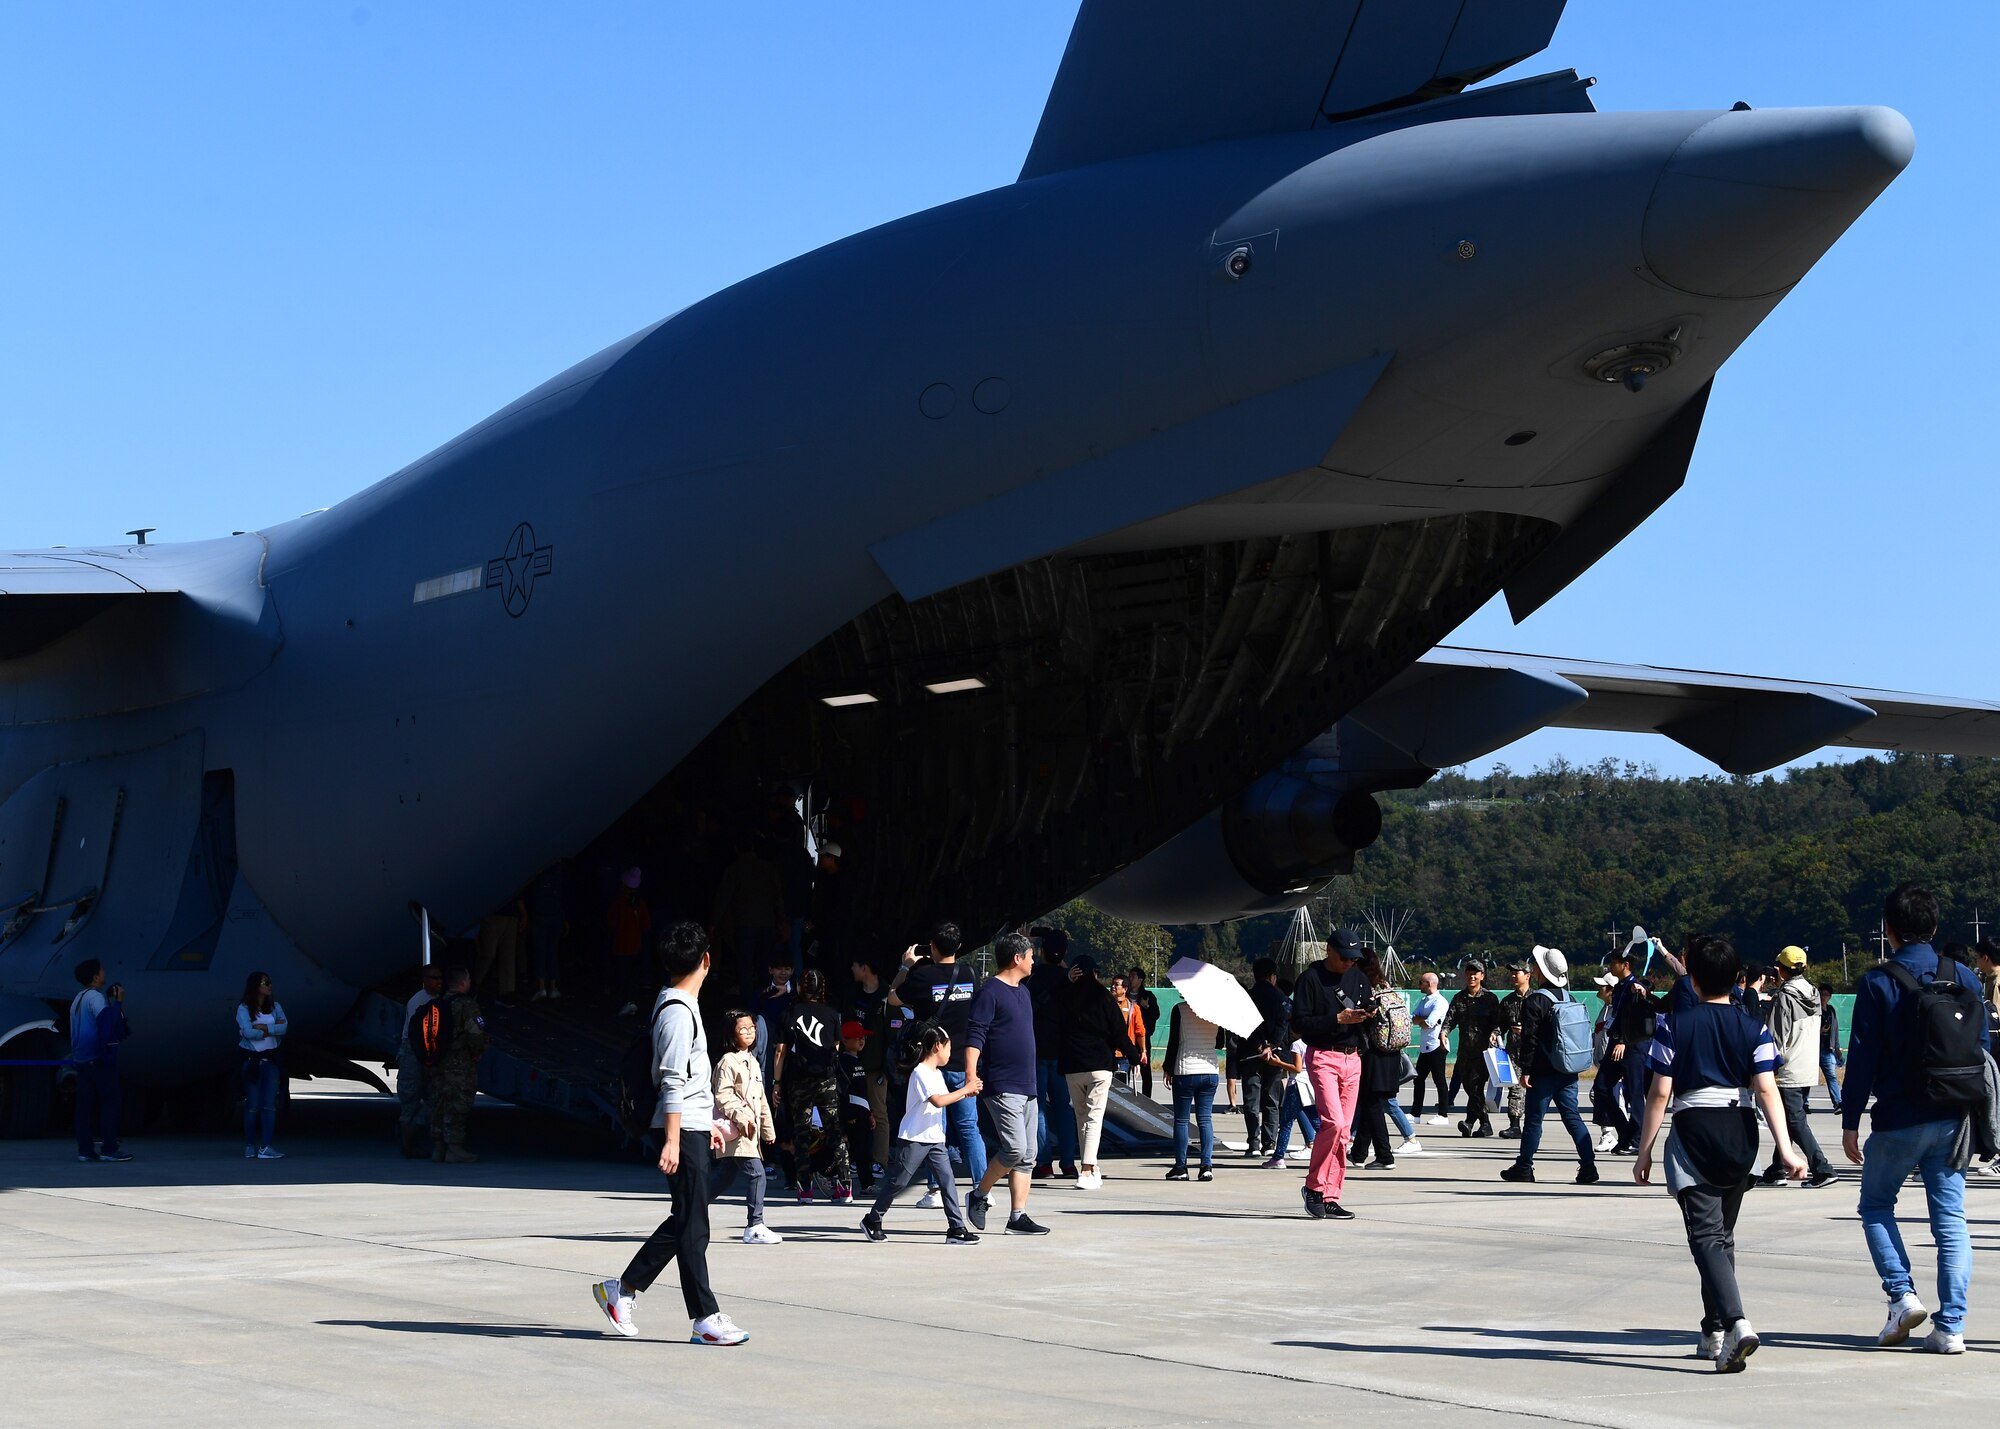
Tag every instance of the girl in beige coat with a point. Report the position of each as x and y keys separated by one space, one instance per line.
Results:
x=743 y=1116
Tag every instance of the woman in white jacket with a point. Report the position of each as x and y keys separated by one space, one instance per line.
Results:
x=260 y=1027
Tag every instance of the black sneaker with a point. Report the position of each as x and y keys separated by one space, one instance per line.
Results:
x=1178 y=1173
x=1586 y=1174
x=1821 y=1181
x=1204 y=1174
x=1337 y=1212
x=114 y=1156
x=1517 y=1172
x=959 y=1235
x=1485 y=1129
x=88 y=1156
x=1772 y=1174
x=1624 y=1148
x=1465 y=1128
x=1315 y=1203
x=1381 y=1165
x=1021 y=1225
x=871 y=1226
x=976 y=1207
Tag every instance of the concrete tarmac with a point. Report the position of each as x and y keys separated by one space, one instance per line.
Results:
x=347 y=1286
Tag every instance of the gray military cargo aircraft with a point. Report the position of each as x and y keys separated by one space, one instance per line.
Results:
x=1032 y=528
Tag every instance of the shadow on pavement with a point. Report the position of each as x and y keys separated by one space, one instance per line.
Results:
x=1651 y=1362
x=449 y=1327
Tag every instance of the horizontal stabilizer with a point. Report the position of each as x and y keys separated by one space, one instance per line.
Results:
x=1140 y=76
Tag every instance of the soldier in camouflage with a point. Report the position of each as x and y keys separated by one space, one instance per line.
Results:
x=451 y=1085
x=1510 y=1031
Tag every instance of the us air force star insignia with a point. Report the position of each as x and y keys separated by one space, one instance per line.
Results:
x=516 y=571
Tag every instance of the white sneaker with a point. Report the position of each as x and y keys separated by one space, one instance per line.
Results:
x=1410 y=1147
x=616 y=1305
x=1437 y=1119
x=1944 y=1342
x=1090 y=1180
x=1607 y=1139
x=928 y=1201
x=1906 y=1312
x=717 y=1329
x=1990 y=1168
x=270 y=1153
x=761 y=1234
x=1709 y=1346
x=1737 y=1346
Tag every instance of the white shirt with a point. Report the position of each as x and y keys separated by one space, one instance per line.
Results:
x=921 y=1120
x=1430 y=1011
x=1300 y=1079
x=250 y=1038
x=417 y=999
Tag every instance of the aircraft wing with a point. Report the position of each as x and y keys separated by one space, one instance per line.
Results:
x=1145 y=75
x=1458 y=704
x=44 y=596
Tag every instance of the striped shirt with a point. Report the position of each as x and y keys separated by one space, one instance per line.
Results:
x=1713 y=1051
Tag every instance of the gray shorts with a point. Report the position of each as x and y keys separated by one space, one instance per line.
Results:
x=1013 y=1117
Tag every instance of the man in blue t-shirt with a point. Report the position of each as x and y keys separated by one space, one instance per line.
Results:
x=1908 y=1134
x=1707 y=1060
x=1000 y=1068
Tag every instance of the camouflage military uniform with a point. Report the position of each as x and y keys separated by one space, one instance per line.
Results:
x=450 y=1086
x=1510 y=1029
x=806 y=1093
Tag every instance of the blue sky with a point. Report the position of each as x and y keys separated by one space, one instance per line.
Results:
x=258 y=256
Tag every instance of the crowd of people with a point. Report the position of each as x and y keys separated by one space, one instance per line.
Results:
x=967 y=1081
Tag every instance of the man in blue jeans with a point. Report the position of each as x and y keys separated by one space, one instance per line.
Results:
x=1907 y=1133
x=1548 y=1084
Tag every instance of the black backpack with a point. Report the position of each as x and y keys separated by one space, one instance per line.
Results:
x=1944 y=1022
x=638 y=1082
x=430 y=1030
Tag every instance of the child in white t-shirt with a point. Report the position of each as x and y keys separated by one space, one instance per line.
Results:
x=920 y=1137
x=1298 y=1109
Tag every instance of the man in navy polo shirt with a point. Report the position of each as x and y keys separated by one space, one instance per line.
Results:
x=1908 y=1134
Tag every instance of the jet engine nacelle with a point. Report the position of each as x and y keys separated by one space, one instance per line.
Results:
x=1265 y=851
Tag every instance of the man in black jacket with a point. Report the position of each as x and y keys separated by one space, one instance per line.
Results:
x=1090 y=1033
x=1331 y=1005
x=1252 y=1058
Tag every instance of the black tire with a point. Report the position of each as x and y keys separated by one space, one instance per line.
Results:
x=27 y=1094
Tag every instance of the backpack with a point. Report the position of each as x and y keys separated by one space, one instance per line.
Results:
x=430 y=1030
x=1389 y=1029
x=1949 y=1069
x=639 y=1076
x=1570 y=1043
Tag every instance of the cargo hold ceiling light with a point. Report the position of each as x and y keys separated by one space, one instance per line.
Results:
x=953 y=687
x=860 y=697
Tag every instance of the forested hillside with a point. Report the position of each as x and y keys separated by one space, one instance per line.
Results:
x=1565 y=854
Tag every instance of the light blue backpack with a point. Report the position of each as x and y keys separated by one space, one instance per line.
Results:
x=1570 y=1048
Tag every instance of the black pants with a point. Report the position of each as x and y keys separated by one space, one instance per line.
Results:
x=683 y=1235
x=1460 y=1070
x=1146 y=1069
x=1263 y=1105
x=1604 y=1105
x=96 y=1107
x=1710 y=1215
x=1371 y=1130
x=1430 y=1064
x=1473 y=1077
x=1800 y=1130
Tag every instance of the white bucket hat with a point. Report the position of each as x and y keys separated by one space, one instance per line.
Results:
x=1554 y=966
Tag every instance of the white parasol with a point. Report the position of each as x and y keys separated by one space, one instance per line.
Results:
x=1214 y=996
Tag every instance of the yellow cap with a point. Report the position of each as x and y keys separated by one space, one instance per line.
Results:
x=1791 y=957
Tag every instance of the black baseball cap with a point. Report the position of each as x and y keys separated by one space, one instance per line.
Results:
x=1340 y=941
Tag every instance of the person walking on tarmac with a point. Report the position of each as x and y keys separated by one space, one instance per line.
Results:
x=806 y=1069
x=1475 y=1016
x=452 y=1078
x=1547 y=1071
x=1510 y=1037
